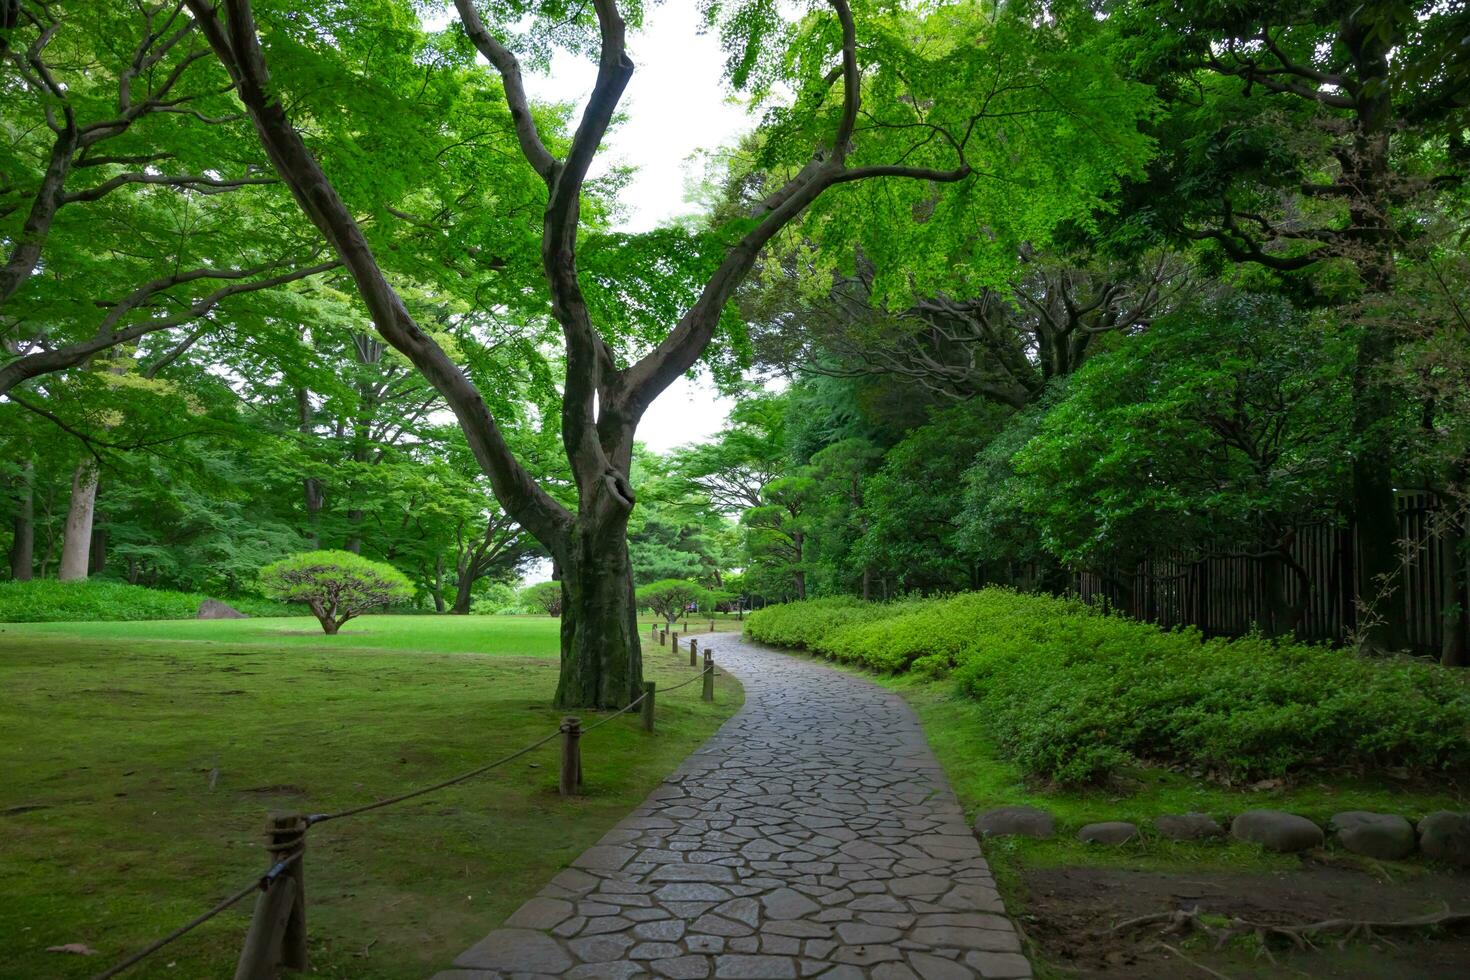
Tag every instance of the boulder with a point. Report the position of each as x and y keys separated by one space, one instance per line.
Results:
x=1188 y=826
x=1108 y=832
x=1016 y=821
x=1445 y=836
x=1385 y=836
x=214 y=609
x=1276 y=830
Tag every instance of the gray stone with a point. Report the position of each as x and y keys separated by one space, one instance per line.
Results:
x=965 y=937
x=1188 y=826
x=516 y=951
x=1385 y=836
x=664 y=930
x=861 y=933
x=737 y=967
x=786 y=903
x=1445 y=836
x=540 y=913
x=214 y=609
x=1001 y=966
x=1016 y=821
x=1108 y=832
x=931 y=967
x=655 y=951
x=603 y=971
x=682 y=967
x=1276 y=830
x=600 y=949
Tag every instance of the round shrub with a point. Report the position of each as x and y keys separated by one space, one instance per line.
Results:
x=336 y=585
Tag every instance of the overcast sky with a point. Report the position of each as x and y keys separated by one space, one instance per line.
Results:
x=675 y=105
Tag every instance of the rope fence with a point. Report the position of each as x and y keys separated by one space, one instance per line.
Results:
x=276 y=938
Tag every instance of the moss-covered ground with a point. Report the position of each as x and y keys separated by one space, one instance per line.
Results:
x=138 y=761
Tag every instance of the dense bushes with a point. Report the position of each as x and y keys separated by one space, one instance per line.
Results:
x=99 y=600
x=1074 y=696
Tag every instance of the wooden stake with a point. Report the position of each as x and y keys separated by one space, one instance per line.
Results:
x=571 y=755
x=276 y=939
x=709 y=676
x=648 y=692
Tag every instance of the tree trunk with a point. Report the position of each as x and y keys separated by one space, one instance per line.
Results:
x=1374 y=509
x=601 y=658
x=97 y=554
x=76 y=546
x=463 y=598
x=23 y=547
x=1456 y=592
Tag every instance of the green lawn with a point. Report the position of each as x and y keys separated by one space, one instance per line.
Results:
x=138 y=761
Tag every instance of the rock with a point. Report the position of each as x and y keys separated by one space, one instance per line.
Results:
x=1016 y=821
x=1188 y=826
x=1385 y=836
x=1445 y=836
x=1108 y=832
x=1276 y=830
x=214 y=609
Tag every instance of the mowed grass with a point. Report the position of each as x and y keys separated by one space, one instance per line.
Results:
x=517 y=635
x=138 y=761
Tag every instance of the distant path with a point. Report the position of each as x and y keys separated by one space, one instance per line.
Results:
x=813 y=835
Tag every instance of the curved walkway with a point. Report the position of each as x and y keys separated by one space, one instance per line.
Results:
x=813 y=835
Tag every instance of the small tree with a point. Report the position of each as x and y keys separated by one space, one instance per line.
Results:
x=671 y=597
x=542 y=597
x=337 y=585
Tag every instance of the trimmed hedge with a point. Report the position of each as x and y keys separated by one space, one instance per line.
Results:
x=101 y=600
x=1075 y=696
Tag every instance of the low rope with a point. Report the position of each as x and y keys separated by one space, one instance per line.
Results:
x=317 y=818
x=259 y=884
x=691 y=680
x=623 y=710
x=265 y=880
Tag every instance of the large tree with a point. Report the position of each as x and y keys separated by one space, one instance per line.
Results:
x=930 y=121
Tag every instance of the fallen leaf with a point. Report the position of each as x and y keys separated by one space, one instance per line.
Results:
x=76 y=949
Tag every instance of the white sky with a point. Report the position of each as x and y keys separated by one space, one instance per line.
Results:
x=676 y=105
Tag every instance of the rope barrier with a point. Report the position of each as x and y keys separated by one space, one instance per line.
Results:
x=317 y=818
x=259 y=884
x=264 y=882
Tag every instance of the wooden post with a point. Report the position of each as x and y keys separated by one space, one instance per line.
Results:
x=277 y=935
x=676 y=642
x=648 y=692
x=709 y=676
x=712 y=625
x=693 y=652
x=663 y=638
x=571 y=755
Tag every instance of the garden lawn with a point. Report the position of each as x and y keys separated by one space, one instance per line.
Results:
x=138 y=761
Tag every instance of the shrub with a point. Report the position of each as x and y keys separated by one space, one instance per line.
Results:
x=336 y=585
x=671 y=597
x=104 y=600
x=543 y=597
x=1074 y=695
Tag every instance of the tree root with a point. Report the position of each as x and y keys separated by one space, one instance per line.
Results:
x=1183 y=922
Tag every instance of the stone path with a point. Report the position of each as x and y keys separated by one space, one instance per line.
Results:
x=813 y=835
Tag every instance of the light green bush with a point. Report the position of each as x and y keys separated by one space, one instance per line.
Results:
x=103 y=600
x=1074 y=695
x=336 y=585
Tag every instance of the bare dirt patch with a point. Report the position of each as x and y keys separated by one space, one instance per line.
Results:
x=1067 y=907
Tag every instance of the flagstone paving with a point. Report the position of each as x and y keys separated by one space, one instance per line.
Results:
x=813 y=836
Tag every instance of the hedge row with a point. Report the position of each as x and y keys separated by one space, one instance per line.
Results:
x=1075 y=696
x=100 y=600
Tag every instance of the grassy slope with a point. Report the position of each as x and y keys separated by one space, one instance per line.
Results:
x=156 y=749
x=981 y=778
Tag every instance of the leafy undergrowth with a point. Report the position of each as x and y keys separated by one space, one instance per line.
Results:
x=137 y=773
x=1079 y=698
x=98 y=600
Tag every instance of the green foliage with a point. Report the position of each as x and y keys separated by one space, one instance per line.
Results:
x=671 y=598
x=1222 y=425
x=496 y=599
x=1075 y=696
x=543 y=597
x=337 y=585
x=104 y=600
